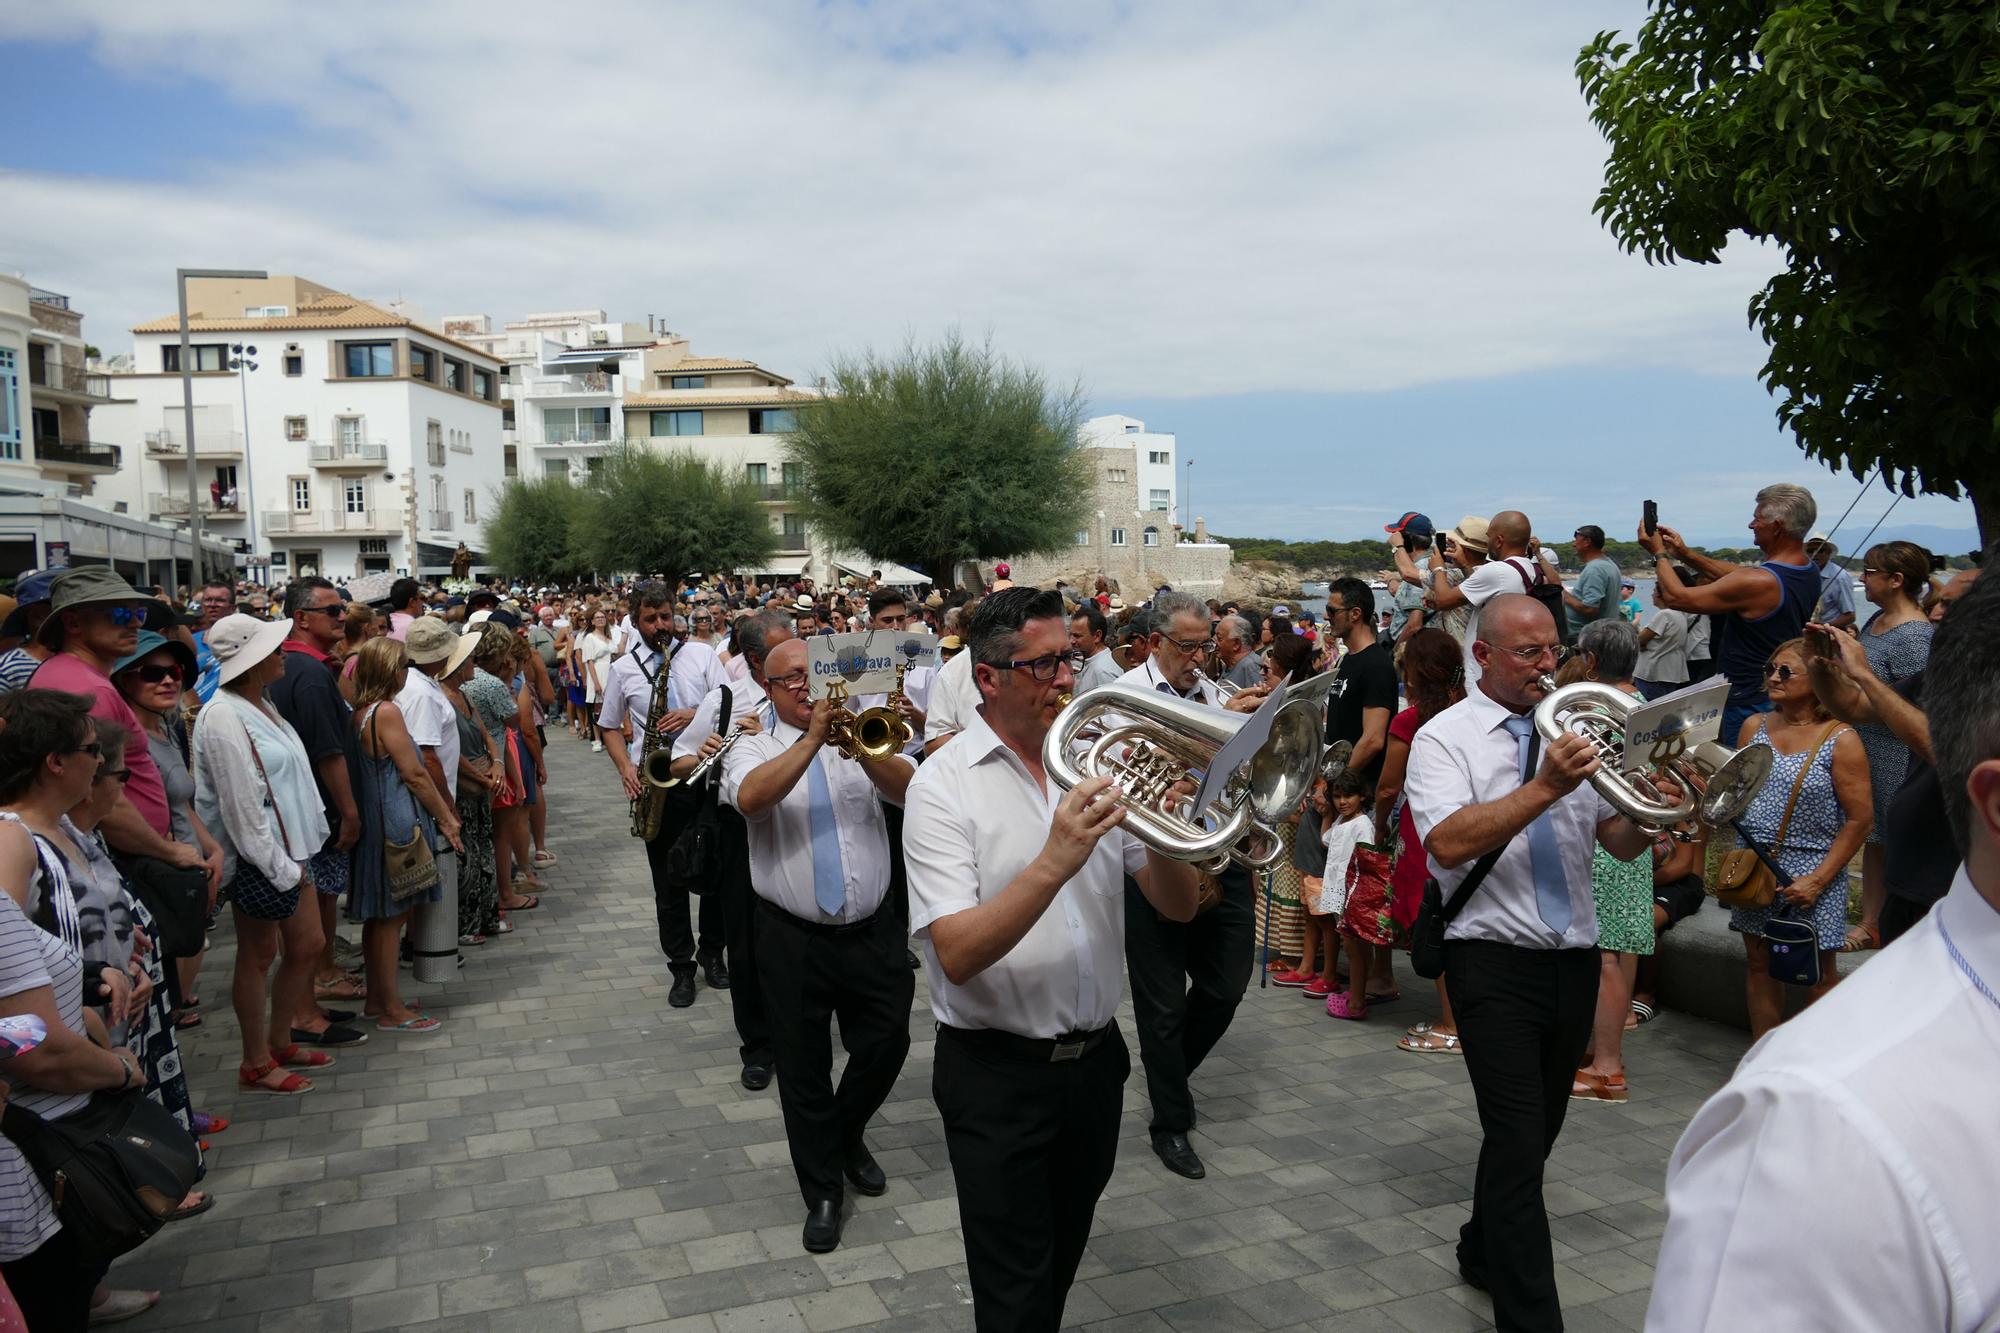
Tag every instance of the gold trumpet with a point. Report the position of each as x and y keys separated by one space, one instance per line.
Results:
x=874 y=733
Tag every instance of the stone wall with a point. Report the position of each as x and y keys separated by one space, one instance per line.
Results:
x=1196 y=565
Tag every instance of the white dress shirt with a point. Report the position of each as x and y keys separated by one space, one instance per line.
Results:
x=781 y=850
x=954 y=698
x=745 y=697
x=1845 y=1176
x=1101 y=668
x=628 y=690
x=1148 y=675
x=974 y=818
x=1466 y=756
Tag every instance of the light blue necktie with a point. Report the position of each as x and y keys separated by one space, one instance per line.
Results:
x=1551 y=888
x=829 y=878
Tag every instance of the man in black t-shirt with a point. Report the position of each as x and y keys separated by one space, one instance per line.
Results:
x=308 y=697
x=1364 y=697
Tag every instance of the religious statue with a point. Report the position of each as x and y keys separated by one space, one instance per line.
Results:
x=461 y=563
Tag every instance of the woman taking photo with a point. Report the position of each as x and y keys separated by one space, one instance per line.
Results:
x=398 y=803
x=1897 y=640
x=1826 y=826
x=151 y=680
x=254 y=789
x=48 y=764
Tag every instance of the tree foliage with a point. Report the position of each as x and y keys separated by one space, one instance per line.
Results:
x=942 y=453
x=1862 y=138
x=529 y=534
x=669 y=513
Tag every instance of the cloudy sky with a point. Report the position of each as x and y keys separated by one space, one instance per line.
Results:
x=1345 y=251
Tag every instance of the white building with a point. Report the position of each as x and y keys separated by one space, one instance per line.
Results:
x=331 y=435
x=1156 y=461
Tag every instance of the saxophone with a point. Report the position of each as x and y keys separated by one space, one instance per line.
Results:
x=655 y=760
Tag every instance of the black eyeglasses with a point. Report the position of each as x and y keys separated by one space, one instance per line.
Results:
x=1189 y=646
x=1045 y=667
x=795 y=680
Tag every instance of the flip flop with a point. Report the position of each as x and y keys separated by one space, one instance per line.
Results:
x=1386 y=997
x=529 y=902
x=342 y=987
x=1431 y=1042
x=185 y=1021
x=187 y=1210
x=417 y=1024
x=1643 y=1012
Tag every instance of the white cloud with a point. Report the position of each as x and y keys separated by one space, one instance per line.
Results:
x=1158 y=199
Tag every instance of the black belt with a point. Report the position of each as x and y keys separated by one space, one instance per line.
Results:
x=1034 y=1050
x=819 y=927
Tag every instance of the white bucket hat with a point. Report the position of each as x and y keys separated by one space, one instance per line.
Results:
x=240 y=642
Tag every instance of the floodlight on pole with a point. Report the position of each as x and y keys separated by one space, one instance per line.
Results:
x=181 y=276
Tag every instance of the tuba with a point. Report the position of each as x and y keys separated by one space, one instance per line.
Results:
x=656 y=761
x=1718 y=783
x=1147 y=741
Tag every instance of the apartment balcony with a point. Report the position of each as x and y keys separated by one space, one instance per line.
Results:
x=59 y=382
x=793 y=543
x=77 y=456
x=440 y=520
x=328 y=522
x=592 y=434
x=771 y=494
x=163 y=504
x=347 y=453
x=167 y=444
x=594 y=384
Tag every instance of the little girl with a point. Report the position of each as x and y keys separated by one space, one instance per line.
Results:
x=1345 y=799
x=1320 y=937
x=1361 y=872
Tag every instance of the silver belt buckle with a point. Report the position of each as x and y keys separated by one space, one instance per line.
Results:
x=1067 y=1050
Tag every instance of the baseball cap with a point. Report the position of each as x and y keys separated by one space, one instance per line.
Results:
x=1003 y=570
x=1627 y=583
x=1281 y=610
x=1412 y=524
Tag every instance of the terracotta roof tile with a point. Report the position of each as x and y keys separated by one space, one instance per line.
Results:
x=748 y=396
x=322 y=313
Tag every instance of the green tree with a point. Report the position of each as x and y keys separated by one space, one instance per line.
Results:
x=531 y=533
x=672 y=514
x=940 y=454
x=1862 y=139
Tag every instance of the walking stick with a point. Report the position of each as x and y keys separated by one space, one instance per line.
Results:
x=1264 y=971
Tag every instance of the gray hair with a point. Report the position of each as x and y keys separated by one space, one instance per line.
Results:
x=1169 y=604
x=1962 y=695
x=751 y=636
x=1792 y=507
x=1237 y=626
x=1615 y=645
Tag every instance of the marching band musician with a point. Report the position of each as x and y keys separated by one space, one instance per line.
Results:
x=752 y=638
x=1187 y=976
x=621 y=722
x=826 y=947
x=1018 y=903
x=889 y=609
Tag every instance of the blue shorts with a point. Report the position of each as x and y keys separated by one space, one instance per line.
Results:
x=328 y=868
x=530 y=790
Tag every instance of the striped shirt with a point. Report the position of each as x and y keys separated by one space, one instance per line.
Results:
x=31 y=957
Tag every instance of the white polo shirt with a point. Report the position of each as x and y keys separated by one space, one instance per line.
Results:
x=432 y=721
x=973 y=820
x=781 y=849
x=628 y=685
x=1466 y=756
x=954 y=698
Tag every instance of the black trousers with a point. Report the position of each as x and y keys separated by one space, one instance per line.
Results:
x=52 y=1285
x=1899 y=914
x=1032 y=1145
x=1525 y=1017
x=739 y=929
x=812 y=974
x=1187 y=979
x=898 y=901
x=670 y=905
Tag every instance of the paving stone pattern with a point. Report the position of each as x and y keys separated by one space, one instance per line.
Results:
x=570 y=1154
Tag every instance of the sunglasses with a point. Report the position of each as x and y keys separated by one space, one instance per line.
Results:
x=1781 y=674
x=157 y=672
x=91 y=748
x=119 y=775
x=125 y=617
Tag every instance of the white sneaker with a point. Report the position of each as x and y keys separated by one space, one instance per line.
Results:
x=597 y=747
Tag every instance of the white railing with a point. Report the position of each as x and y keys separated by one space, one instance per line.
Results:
x=570 y=386
x=348 y=451
x=325 y=520
x=216 y=443
x=166 y=504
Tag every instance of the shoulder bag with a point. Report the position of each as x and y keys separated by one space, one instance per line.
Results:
x=1546 y=591
x=250 y=888
x=409 y=869
x=695 y=861
x=1434 y=913
x=1750 y=876
x=1791 y=946
x=115 y=1168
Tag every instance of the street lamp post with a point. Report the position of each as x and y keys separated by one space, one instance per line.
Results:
x=240 y=362
x=1187 y=496
x=181 y=276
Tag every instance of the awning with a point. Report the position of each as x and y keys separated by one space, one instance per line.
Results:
x=899 y=576
x=782 y=569
x=582 y=358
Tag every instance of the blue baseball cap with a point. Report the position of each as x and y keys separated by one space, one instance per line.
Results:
x=30 y=589
x=1412 y=524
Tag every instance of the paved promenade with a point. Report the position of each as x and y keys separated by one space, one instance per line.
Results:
x=571 y=1154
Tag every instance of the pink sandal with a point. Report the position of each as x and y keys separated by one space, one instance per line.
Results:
x=1337 y=1007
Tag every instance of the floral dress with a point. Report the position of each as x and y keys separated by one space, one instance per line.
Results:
x=1892 y=655
x=1624 y=894
x=1816 y=819
x=478 y=889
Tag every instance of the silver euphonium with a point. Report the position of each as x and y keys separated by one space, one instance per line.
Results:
x=1147 y=741
x=1717 y=783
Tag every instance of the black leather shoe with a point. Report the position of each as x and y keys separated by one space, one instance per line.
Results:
x=681 y=995
x=1178 y=1154
x=756 y=1077
x=865 y=1174
x=914 y=961
x=716 y=971
x=822 y=1231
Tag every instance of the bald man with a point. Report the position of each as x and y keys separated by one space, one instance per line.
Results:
x=1509 y=826
x=1509 y=568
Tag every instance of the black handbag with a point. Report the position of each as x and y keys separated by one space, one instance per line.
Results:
x=115 y=1169
x=1434 y=914
x=695 y=861
x=177 y=896
x=1791 y=947
x=250 y=889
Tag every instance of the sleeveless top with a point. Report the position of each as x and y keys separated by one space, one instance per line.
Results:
x=1747 y=646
